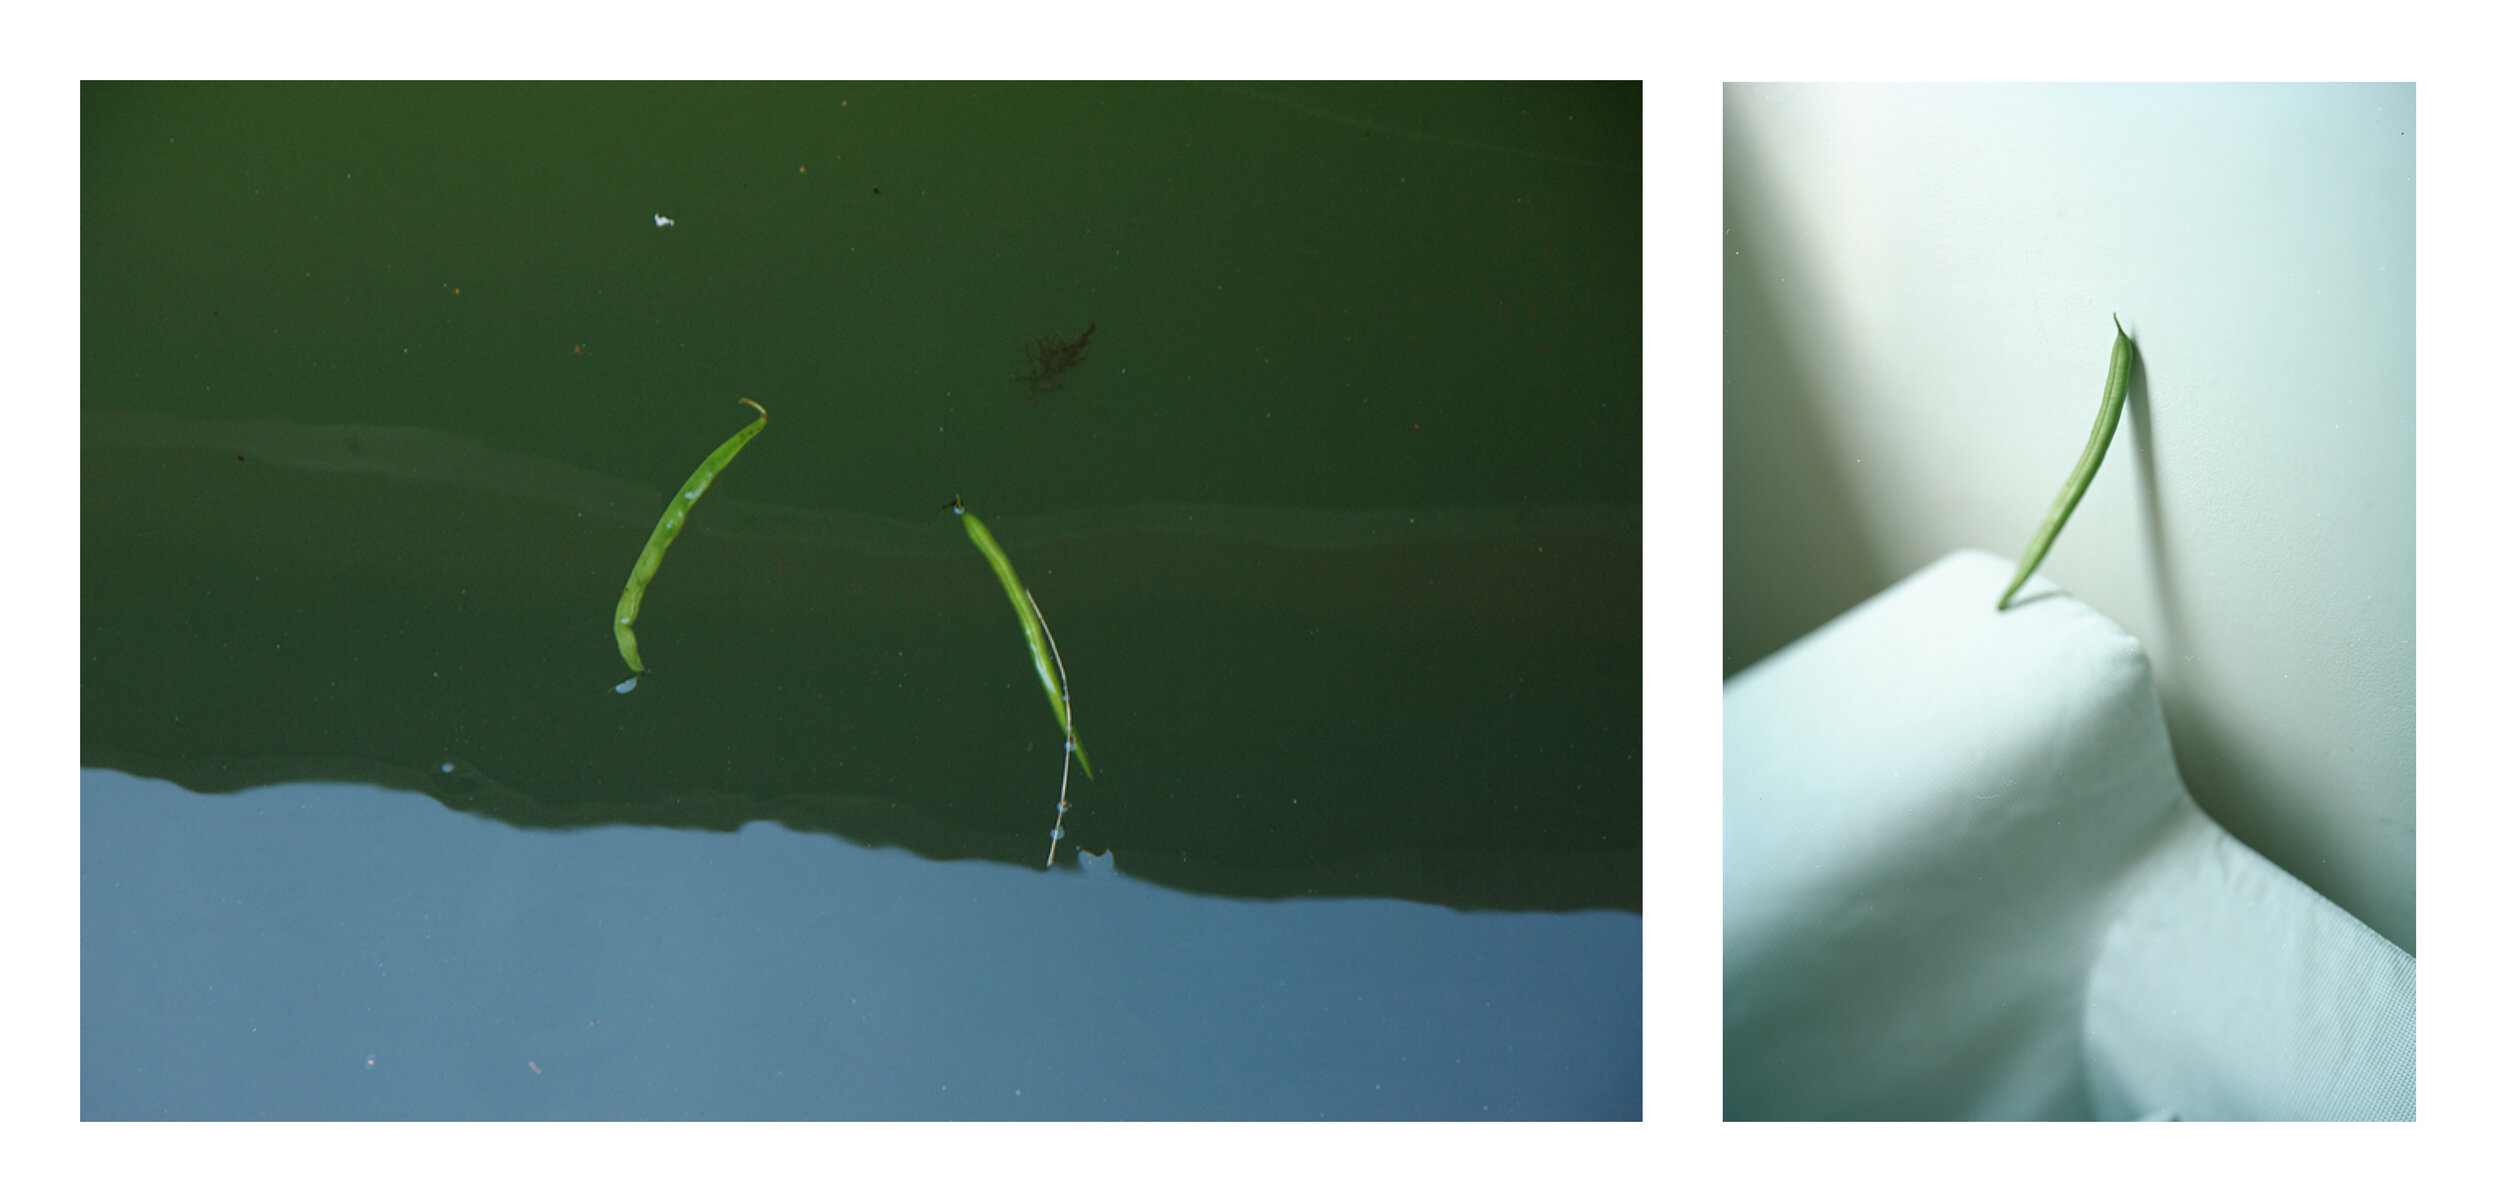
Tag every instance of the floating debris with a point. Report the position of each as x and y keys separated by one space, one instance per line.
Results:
x=1047 y=358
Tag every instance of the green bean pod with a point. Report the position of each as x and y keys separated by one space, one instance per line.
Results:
x=672 y=520
x=1035 y=638
x=2104 y=427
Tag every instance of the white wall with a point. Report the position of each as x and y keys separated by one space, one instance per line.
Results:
x=1919 y=282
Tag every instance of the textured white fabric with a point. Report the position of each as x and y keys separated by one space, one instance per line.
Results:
x=2227 y=989
x=1963 y=880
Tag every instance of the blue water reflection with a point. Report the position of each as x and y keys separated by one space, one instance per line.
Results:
x=321 y=951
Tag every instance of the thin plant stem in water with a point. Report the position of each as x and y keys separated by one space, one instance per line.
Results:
x=1059 y=824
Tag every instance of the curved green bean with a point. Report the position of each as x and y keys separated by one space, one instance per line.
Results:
x=672 y=519
x=1036 y=638
x=2105 y=426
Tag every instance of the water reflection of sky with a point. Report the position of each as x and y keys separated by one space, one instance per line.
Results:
x=335 y=951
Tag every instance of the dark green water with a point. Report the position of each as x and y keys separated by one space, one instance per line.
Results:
x=1335 y=522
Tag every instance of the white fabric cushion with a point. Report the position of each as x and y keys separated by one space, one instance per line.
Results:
x=2227 y=989
x=1937 y=817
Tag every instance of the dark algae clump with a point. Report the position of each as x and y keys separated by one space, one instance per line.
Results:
x=1048 y=357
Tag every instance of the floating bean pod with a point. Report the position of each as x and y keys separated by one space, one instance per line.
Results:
x=672 y=520
x=1036 y=636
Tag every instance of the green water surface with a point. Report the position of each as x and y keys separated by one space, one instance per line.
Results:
x=1335 y=522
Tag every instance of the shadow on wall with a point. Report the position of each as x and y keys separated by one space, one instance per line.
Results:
x=2139 y=416
x=1796 y=553
x=2228 y=779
